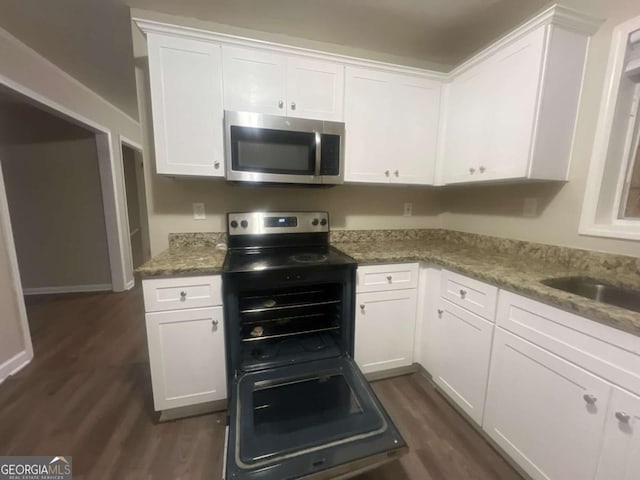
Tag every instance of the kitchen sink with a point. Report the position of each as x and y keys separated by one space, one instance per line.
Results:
x=598 y=291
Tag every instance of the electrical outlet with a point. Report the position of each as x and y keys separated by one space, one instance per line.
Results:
x=198 y=211
x=408 y=209
x=530 y=207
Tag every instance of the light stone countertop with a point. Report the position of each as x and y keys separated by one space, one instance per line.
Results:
x=512 y=265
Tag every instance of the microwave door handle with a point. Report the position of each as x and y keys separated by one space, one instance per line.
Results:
x=318 y=153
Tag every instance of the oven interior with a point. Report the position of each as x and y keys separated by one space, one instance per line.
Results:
x=278 y=326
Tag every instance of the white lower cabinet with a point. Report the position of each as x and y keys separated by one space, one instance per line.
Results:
x=187 y=356
x=620 y=459
x=186 y=344
x=385 y=326
x=462 y=350
x=545 y=412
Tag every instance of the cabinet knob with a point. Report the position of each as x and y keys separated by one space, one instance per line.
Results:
x=623 y=417
x=463 y=293
x=386 y=172
x=214 y=322
x=482 y=169
x=293 y=105
x=390 y=278
x=216 y=165
x=472 y=170
x=362 y=307
x=440 y=312
x=280 y=104
x=183 y=295
x=590 y=399
x=397 y=173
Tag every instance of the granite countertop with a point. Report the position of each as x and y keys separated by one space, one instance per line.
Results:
x=184 y=260
x=511 y=265
x=511 y=271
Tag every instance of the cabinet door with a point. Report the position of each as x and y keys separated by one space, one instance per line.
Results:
x=416 y=113
x=620 y=458
x=254 y=81
x=187 y=356
x=315 y=89
x=385 y=325
x=468 y=125
x=368 y=102
x=462 y=347
x=545 y=412
x=186 y=98
x=515 y=74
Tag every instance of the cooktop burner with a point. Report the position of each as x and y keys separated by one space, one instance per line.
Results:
x=309 y=258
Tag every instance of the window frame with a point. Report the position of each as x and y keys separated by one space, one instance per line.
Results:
x=601 y=212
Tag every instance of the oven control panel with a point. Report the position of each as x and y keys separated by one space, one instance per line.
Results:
x=259 y=223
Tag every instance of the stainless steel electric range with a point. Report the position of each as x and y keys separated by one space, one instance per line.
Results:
x=299 y=406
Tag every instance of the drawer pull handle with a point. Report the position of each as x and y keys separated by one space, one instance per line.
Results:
x=440 y=312
x=623 y=417
x=362 y=307
x=183 y=295
x=463 y=293
x=390 y=278
x=214 y=322
x=590 y=399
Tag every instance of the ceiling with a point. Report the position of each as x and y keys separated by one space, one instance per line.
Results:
x=91 y=39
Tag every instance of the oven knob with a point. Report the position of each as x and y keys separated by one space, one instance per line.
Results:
x=234 y=224
x=314 y=222
x=323 y=221
x=244 y=224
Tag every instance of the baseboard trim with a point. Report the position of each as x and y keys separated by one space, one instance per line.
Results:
x=14 y=365
x=130 y=284
x=192 y=410
x=392 y=372
x=98 y=287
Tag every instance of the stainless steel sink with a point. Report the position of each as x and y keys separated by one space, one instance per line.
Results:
x=598 y=291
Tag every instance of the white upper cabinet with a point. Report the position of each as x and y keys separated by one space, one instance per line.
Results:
x=391 y=127
x=186 y=96
x=254 y=81
x=512 y=110
x=315 y=89
x=276 y=84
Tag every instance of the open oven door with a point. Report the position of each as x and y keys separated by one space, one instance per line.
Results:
x=314 y=420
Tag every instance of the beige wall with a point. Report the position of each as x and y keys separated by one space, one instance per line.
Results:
x=55 y=202
x=497 y=210
x=350 y=207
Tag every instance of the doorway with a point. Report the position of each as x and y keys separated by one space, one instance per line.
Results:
x=53 y=189
x=138 y=219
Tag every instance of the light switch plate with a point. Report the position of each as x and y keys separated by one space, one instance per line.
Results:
x=198 y=211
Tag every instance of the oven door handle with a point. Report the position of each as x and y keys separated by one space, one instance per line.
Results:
x=318 y=153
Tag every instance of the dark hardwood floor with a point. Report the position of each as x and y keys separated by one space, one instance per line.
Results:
x=87 y=393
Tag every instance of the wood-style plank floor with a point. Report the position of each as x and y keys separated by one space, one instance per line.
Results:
x=87 y=393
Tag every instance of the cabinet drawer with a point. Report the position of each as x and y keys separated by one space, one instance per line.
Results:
x=475 y=296
x=605 y=351
x=179 y=293
x=375 y=278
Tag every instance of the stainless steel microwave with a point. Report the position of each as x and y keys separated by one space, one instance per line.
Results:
x=268 y=148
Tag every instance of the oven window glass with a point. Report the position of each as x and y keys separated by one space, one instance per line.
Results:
x=313 y=404
x=297 y=406
x=272 y=151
